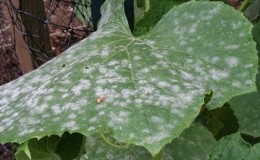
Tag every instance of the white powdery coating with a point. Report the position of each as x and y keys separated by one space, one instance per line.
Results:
x=157 y=137
x=232 y=61
x=175 y=88
x=2 y=128
x=72 y=116
x=248 y=65
x=232 y=47
x=82 y=85
x=56 y=109
x=163 y=84
x=157 y=120
x=186 y=75
x=69 y=125
x=93 y=119
x=127 y=93
x=117 y=119
x=236 y=25
x=217 y=74
x=236 y=84
x=193 y=28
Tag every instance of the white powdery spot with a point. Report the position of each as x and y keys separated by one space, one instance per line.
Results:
x=163 y=84
x=29 y=121
x=69 y=125
x=236 y=25
x=248 y=65
x=92 y=128
x=193 y=28
x=48 y=98
x=113 y=62
x=214 y=10
x=185 y=98
x=2 y=129
x=175 y=88
x=124 y=63
x=149 y=42
x=104 y=52
x=241 y=34
x=146 y=130
x=82 y=85
x=215 y=60
x=136 y=58
x=156 y=138
x=217 y=74
x=39 y=109
x=93 y=119
x=157 y=120
x=147 y=89
x=232 y=61
x=177 y=111
x=72 y=116
x=189 y=49
x=249 y=82
x=116 y=120
x=186 y=75
x=56 y=109
x=232 y=47
x=236 y=84
x=126 y=93
x=182 y=42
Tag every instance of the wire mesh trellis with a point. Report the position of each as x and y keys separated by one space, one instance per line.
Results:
x=61 y=24
x=50 y=30
x=9 y=65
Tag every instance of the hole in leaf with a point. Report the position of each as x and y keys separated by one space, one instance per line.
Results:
x=250 y=139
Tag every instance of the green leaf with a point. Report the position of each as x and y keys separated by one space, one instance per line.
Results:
x=156 y=10
x=247 y=108
x=252 y=11
x=234 y=147
x=98 y=148
x=256 y=33
x=152 y=87
x=66 y=147
x=196 y=140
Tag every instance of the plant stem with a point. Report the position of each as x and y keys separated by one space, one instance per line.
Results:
x=243 y=5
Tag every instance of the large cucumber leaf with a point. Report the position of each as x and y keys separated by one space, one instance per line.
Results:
x=142 y=90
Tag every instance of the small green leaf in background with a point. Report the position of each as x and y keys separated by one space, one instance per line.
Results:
x=233 y=147
x=152 y=86
x=247 y=108
x=252 y=12
x=66 y=147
